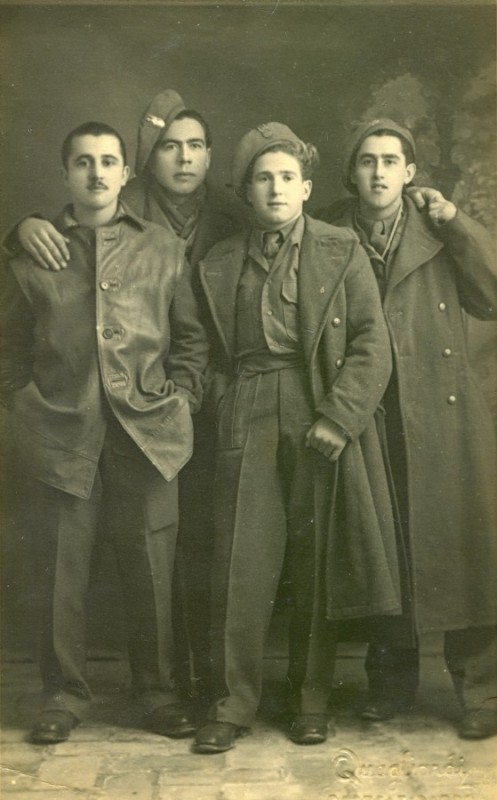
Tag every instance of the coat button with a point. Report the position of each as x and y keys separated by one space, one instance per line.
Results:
x=447 y=352
x=107 y=333
x=270 y=313
x=336 y=322
x=339 y=363
x=451 y=399
x=104 y=285
x=442 y=306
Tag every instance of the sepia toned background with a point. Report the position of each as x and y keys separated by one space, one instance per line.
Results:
x=318 y=68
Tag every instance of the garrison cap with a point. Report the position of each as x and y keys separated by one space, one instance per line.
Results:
x=163 y=110
x=255 y=143
x=363 y=130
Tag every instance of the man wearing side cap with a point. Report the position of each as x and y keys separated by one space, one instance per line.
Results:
x=432 y=266
x=170 y=189
x=300 y=343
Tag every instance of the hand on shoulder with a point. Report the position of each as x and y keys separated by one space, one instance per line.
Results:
x=439 y=209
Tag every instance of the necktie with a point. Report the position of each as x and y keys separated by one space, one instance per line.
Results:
x=272 y=242
x=379 y=238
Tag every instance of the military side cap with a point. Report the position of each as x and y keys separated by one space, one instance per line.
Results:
x=363 y=130
x=255 y=143
x=163 y=110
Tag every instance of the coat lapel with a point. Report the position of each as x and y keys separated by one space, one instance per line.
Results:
x=220 y=273
x=417 y=246
x=324 y=259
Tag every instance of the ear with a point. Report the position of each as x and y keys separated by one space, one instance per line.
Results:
x=410 y=173
x=208 y=157
x=63 y=175
x=307 y=189
x=125 y=177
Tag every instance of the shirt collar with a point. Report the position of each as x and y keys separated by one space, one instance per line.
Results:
x=366 y=224
x=66 y=219
x=293 y=231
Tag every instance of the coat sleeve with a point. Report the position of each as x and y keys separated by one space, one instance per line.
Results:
x=16 y=338
x=473 y=256
x=188 y=355
x=10 y=240
x=361 y=382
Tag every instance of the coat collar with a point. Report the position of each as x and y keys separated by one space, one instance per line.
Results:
x=326 y=253
x=417 y=246
x=66 y=220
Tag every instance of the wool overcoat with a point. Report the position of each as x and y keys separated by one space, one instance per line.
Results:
x=347 y=356
x=437 y=275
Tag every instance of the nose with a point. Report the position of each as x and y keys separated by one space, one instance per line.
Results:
x=96 y=170
x=276 y=186
x=184 y=154
x=378 y=167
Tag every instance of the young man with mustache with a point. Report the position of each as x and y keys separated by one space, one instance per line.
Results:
x=103 y=366
x=171 y=189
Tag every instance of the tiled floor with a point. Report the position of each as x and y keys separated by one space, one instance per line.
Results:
x=418 y=757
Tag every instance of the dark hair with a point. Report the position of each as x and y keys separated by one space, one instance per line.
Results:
x=306 y=154
x=404 y=144
x=91 y=129
x=188 y=113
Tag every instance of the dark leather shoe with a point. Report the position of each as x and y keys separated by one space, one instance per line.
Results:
x=309 y=729
x=52 y=726
x=216 y=737
x=173 y=720
x=379 y=709
x=478 y=724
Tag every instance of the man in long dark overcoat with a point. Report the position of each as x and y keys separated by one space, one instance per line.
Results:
x=304 y=356
x=432 y=267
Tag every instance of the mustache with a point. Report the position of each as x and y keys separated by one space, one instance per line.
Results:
x=97 y=185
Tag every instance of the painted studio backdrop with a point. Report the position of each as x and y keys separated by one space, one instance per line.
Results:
x=316 y=67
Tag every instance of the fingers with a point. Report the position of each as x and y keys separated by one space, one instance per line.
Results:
x=424 y=196
x=442 y=211
x=50 y=254
x=327 y=449
x=417 y=196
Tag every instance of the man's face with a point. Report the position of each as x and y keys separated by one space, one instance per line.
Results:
x=95 y=172
x=180 y=161
x=380 y=173
x=277 y=190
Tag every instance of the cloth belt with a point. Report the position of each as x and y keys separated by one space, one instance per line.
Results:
x=268 y=362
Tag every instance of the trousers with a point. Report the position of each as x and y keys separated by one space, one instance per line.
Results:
x=264 y=512
x=470 y=655
x=136 y=509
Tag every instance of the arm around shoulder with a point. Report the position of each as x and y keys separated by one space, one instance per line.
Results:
x=473 y=255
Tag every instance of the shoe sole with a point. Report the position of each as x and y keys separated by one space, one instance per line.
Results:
x=309 y=740
x=212 y=749
x=45 y=739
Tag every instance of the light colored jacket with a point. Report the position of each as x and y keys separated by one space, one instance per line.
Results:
x=120 y=336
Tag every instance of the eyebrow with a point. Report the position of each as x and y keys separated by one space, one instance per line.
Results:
x=380 y=155
x=103 y=155
x=168 y=140
x=277 y=172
